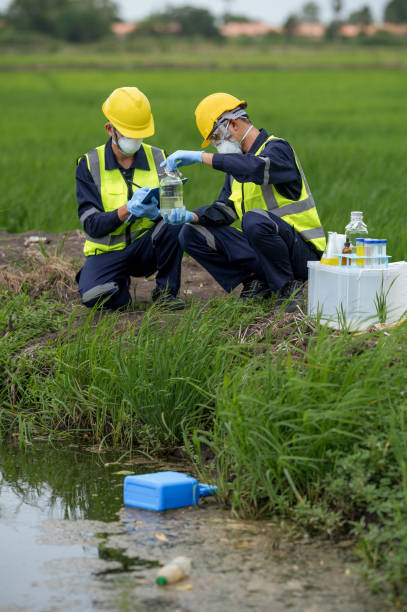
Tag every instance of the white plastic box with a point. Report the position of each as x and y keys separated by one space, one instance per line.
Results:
x=347 y=296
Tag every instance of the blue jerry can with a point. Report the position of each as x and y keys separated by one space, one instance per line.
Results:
x=164 y=490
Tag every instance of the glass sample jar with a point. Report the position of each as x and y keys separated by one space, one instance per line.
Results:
x=360 y=251
x=356 y=227
x=171 y=192
x=330 y=256
x=382 y=254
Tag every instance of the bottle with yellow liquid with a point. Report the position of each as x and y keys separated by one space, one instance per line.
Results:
x=360 y=251
x=329 y=256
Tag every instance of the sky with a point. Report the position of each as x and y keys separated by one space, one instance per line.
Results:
x=273 y=12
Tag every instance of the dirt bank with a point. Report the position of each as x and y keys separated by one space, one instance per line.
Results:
x=42 y=262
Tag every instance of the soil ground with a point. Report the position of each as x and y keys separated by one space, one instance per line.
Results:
x=38 y=254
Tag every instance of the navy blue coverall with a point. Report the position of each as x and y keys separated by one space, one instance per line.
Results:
x=158 y=250
x=268 y=247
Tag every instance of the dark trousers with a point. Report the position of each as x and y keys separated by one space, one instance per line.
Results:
x=106 y=277
x=268 y=247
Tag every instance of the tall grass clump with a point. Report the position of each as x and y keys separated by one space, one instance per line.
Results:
x=132 y=385
x=319 y=434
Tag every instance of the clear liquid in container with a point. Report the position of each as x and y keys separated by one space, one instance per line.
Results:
x=356 y=228
x=171 y=192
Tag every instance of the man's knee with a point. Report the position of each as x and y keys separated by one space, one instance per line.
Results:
x=105 y=296
x=255 y=221
x=196 y=237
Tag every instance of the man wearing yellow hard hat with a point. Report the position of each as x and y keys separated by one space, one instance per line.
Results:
x=125 y=235
x=264 y=226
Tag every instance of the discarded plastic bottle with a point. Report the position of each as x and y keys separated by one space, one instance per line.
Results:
x=356 y=228
x=175 y=570
x=171 y=192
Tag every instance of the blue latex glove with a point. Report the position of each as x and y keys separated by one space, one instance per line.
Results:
x=182 y=158
x=138 y=210
x=179 y=216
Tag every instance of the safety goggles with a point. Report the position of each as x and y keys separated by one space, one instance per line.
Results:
x=220 y=131
x=220 y=128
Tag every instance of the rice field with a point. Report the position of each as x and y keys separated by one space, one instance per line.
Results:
x=348 y=130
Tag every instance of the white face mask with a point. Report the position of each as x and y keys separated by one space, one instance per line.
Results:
x=228 y=144
x=128 y=146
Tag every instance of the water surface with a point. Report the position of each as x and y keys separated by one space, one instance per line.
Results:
x=69 y=544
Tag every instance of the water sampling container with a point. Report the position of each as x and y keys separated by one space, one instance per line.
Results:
x=171 y=192
x=164 y=490
x=357 y=297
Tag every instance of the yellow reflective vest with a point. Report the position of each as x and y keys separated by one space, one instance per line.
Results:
x=114 y=193
x=301 y=214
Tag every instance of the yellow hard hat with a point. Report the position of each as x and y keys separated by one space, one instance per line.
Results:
x=128 y=109
x=210 y=109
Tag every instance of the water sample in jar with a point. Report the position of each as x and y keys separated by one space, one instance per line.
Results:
x=381 y=251
x=369 y=252
x=330 y=256
x=171 y=192
x=356 y=227
x=360 y=251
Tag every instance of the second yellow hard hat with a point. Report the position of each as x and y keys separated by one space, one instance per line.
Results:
x=210 y=109
x=128 y=109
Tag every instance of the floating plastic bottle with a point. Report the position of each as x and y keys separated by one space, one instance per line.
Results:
x=356 y=228
x=177 y=569
x=171 y=192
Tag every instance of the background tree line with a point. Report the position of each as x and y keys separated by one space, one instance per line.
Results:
x=91 y=20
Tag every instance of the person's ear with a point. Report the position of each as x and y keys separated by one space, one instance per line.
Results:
x=109 y=129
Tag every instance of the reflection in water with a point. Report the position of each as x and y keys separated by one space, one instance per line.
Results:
x=73 y=480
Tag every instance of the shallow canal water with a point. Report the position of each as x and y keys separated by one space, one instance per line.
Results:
x=68 y=543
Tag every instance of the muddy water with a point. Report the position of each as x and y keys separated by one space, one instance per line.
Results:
x=67 y=543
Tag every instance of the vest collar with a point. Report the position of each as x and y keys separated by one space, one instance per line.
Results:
x=140 y=159
x=261 y=138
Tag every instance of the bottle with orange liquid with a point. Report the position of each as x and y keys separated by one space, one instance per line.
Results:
x=347 y=249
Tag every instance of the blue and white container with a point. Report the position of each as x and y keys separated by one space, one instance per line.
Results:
x=164 y=490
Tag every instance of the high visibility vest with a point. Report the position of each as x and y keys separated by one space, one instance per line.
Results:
x=114 y=193
x=301 y=214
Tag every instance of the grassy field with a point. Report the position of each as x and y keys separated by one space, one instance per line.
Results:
x=298 y=420
x=347 y=128
x=144 y=53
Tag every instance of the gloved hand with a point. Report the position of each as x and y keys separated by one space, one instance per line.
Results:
x=179 y=216
x=138 y=209
x=182 y=158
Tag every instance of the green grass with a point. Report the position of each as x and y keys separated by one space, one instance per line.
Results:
x=145 y=53
x=347 y=128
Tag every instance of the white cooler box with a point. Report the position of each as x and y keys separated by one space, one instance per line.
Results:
x=347 y=296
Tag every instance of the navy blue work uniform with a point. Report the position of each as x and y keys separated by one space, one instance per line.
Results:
x=267 y=246
x=108 y=274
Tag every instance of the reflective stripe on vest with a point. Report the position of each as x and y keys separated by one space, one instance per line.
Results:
x=301 y=214
x=113 y=191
